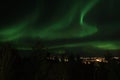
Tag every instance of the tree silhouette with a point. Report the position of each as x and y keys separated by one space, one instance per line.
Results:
x=39 y=60
x=108 y=56
x=8 y=62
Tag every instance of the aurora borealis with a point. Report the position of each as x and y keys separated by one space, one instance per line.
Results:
x=61 y=23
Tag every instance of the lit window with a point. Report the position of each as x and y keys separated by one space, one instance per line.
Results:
x=98 y=60
x=59 y=59
x=66 y=60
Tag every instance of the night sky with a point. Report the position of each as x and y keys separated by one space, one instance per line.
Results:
x=93 y=24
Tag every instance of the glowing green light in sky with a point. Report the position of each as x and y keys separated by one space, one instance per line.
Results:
x=87 y=29
x=16 y=31
x=99 y=45
x=66 y=23
x=85 y=10
x=106 y=45
x=55 y=29
x=12 y=33
x=19 y=48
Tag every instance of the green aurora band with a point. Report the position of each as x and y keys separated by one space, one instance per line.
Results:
x=54 y=30
x=87 y=29
x=17 y=30
x=104 y=45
